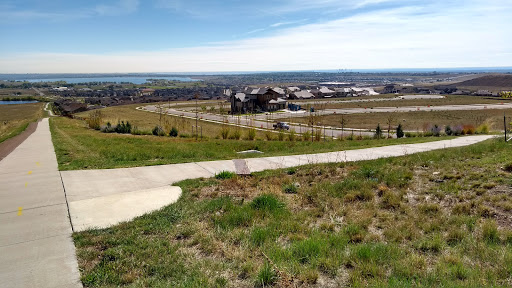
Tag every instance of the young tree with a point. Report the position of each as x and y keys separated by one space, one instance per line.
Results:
x=390 y=119
x=343 y=122
x=378 y=132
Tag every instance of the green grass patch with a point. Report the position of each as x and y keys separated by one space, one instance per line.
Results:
x=78 y=147
x=253 y=233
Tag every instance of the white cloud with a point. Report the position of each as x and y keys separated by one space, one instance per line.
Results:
x=401 y=38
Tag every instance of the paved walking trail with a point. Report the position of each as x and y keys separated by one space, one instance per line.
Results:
x=35 y=232
x=36 y=249
x=148 y=188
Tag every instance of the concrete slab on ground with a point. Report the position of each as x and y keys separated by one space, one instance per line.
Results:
x=35 y=233
x=102 y=212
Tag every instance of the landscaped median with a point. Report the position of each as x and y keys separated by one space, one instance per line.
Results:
x=78 y=147
x=439 y=218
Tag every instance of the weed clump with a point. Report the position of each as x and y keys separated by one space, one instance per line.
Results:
x=266 y=202
x=290 y=188
x=95 y=119
x=225 y=175
x=251 y=134
x=224 y=133
x=266 y=276
x=490 y=232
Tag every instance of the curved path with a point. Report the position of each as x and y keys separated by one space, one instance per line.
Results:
x=262 y=121
x=94 y=186
x=37 y=202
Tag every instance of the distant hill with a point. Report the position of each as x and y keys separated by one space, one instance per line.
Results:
x=502 y=80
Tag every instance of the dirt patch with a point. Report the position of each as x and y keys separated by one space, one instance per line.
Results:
x=10 y=144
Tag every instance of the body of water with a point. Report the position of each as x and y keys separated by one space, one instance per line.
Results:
x=124 y=79
x=16 y=102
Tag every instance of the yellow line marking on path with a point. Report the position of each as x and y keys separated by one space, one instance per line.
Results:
x=20 y=211
x=29 y=172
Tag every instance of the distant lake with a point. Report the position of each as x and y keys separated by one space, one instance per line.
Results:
x=16 y=102
x=124 y=79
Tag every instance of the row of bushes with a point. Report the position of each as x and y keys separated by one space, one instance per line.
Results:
x=437 y=130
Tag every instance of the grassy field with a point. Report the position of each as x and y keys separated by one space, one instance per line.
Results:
x=436 y=219
x=416 y=121
x=449 y=100
x=147 y=121
x=79 y=147
x=15 y=118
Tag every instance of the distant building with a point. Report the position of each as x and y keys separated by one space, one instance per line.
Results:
x=301 y=95
x=258 y=99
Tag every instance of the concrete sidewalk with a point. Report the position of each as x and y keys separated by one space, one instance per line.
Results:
x=36 y=249
x=87 y=189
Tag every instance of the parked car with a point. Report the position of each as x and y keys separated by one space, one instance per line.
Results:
x=282 y=126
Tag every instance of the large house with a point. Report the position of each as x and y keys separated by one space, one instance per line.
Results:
x=258 y=99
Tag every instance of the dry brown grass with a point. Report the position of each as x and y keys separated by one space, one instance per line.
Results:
x=15 y=118
x=417 y=121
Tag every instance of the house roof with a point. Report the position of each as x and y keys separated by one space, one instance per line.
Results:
x=326 y=90
x=242 y=97
x=294 y=89
x=303 y=94
x=279 y=90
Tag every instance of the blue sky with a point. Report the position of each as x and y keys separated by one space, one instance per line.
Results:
x=236 y=35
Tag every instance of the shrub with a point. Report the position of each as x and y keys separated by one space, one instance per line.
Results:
x=107 y=128
x=237 y=134
x=251 y=134
x=318 y=135
x=306 y=136
x=225 y=175
x=448 y=130
x=399 y=131
x=482 y=129
x=173 y=132
x=224 y=133
x=435 y=130
x=291 y=136
x=457 y=130
x=266 y=276
x=94 y=120
x=123 y=128
x=158 y=131
x=280 y=135
x=185 y=135
x=268 y=135
x=468 y=130
x=378 y=132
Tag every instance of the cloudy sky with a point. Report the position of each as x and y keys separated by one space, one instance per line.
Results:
x=244 y=35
